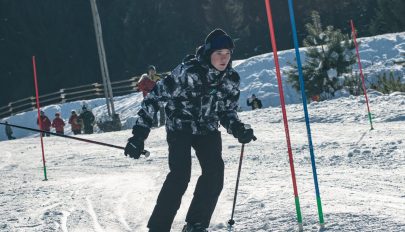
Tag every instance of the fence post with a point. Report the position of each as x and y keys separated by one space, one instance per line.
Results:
x=62 y=95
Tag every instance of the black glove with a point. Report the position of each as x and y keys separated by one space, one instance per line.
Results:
x=242 y=132
x=134 y=147
x=135 y=144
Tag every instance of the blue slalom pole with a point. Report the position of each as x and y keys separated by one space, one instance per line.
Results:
x=304 y=103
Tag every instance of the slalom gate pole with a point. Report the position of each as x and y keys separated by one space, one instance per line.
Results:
x=66 y=136
x=39 y=115
x=361 y=72
x=287 y=133
x=231 y=221
x=304 y=103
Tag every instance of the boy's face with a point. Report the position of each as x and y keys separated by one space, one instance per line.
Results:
x=220 y=59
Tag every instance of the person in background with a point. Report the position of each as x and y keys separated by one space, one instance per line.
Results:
x=88 y=119
x=254 y=102
x=9 y=131
x=75 y=123
x=58 y=124
x=46 y=124
x=146 y=83
x=315 y=98
x=200 y=94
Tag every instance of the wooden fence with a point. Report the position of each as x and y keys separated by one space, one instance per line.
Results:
x=83 y=92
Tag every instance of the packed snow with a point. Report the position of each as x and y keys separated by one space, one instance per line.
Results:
x=361 y=172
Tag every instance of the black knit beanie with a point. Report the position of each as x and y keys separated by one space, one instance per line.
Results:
x=216 y=40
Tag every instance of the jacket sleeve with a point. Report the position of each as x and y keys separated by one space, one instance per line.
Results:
x=248 y=103
x=141 y=83
x=229 y=117
x=47 y=122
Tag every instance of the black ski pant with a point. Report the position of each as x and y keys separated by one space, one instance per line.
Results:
x=208 y=150
x=88 y=129
x=46 y=133
x=10 y=137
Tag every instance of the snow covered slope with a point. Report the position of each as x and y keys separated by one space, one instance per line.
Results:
x=361 y=172
x=92 y=188
x=379 y=54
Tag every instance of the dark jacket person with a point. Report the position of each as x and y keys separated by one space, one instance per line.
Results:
x=254 y=102
x=200 y=94
x=9 y=131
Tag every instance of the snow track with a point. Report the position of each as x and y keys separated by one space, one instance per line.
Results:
x=361 y=176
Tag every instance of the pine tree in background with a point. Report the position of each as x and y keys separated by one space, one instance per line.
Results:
x=389 y=85
x=353 y=84
x=329 y=55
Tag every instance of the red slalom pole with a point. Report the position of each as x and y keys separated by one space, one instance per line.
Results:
x=361 y=72
x=39 y=115
x=287 y=133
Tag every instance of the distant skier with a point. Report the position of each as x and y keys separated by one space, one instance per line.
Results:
x=146 y=83
x=88 y=120
x=46 y=124
x=9 y=131
x=200 y=94
x=75 y=123
x=254 y=102
x=58 y=124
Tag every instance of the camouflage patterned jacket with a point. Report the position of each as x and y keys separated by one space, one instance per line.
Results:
x=194 y=95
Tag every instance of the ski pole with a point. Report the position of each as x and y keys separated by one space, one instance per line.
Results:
x=231 y=221
x=145 y=152
x=304 y=103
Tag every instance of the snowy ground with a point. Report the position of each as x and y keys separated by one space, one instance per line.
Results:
x=92 y=188
x=361 y=172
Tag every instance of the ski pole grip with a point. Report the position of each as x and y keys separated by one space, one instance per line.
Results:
x=254 y=138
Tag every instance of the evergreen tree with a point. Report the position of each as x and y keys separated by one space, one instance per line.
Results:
x=329 y=54
x=353 y=84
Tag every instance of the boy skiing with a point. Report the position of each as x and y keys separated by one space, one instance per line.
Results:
x=200 y=94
